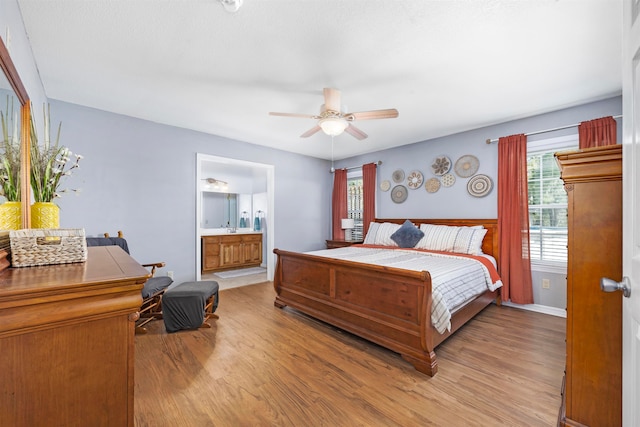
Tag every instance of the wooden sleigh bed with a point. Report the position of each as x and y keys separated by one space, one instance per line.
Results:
x=385 y=305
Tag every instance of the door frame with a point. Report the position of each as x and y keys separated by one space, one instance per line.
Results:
x=631 y=207
x=270 y=228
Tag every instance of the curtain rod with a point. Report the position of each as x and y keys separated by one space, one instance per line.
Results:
x=379 y=162
x=489 y=141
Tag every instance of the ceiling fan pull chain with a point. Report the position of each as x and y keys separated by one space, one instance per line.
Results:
x=332 y=168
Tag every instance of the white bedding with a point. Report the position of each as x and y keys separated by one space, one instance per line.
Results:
x=455 y=279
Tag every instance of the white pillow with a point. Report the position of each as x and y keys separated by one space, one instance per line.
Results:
x=380 y=234
x=371 y=233
x=469 y=240
x=447 y=238
x=437 y=237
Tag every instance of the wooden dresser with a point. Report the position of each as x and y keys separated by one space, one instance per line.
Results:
x=67 y=341
x=592 y=389
x=228 y=251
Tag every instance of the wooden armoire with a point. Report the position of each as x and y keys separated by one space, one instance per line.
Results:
x=592 y=387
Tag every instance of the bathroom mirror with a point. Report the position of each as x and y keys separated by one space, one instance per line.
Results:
x=14 y=87
x=226 y=210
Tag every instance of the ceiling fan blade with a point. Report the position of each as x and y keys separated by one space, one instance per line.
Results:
x=304 y=116
x=355 y=132
x=390 y=113
x=310 y=132
x=331 y=99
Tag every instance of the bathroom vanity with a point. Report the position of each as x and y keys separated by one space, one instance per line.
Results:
x=226 y=251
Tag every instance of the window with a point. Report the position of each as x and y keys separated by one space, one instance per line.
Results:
x=547 y=201
x=354 y=203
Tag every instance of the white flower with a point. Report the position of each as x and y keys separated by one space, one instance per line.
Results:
x=49 y=165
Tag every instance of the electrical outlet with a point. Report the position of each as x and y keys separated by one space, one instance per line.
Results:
x=546 y=284
x=170 y=274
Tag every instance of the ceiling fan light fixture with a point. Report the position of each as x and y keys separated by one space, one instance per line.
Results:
x=333 y=126
x=333 y=121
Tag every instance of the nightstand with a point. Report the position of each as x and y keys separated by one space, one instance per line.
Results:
x=341 y=243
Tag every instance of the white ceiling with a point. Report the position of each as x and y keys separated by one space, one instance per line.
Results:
x=447 y=66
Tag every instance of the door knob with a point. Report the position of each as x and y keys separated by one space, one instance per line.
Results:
x=609 y=285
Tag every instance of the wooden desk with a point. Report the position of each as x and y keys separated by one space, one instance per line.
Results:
x=67 y=341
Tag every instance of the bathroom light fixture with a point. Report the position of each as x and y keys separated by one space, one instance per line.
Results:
x=216 y=184
x=231 y=5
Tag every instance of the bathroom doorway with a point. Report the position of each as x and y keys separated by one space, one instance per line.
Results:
x=234 y=197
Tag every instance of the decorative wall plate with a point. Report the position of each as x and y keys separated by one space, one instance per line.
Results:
x=398 y=176
x=399 y=193
x=415 y=180
x=432 y=185
x=448 y=179
x=467 y=166
x=385 y=185
x=479 y=185
x=441 y=165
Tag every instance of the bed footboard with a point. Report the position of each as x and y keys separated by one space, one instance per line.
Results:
x=385 y=305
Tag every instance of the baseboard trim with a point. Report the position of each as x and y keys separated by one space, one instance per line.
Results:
x=544 y=309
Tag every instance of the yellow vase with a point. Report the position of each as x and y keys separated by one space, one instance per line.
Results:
x=11 y=216
x=45 y=215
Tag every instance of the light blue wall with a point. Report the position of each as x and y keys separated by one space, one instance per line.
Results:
x=455 y=201
x=140 y=177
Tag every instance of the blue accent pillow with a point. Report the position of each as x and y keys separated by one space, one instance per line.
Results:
x=407 y=235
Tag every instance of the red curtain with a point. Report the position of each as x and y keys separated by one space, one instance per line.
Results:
x=513 y=220
x=598 y=132
x=368 y=196
x=339 y=202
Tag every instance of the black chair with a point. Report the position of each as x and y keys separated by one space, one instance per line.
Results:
x=152 y=290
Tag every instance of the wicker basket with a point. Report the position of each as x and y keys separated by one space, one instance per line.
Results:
x=36 y=246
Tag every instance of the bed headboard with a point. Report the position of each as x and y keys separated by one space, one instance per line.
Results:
x=490 y=244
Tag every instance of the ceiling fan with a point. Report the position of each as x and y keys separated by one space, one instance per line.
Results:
x=333 y=122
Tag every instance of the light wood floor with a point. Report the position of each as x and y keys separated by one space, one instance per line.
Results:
x=262 y=366
x=234 y=282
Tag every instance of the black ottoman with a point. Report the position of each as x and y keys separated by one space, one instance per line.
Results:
x=188 y=305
